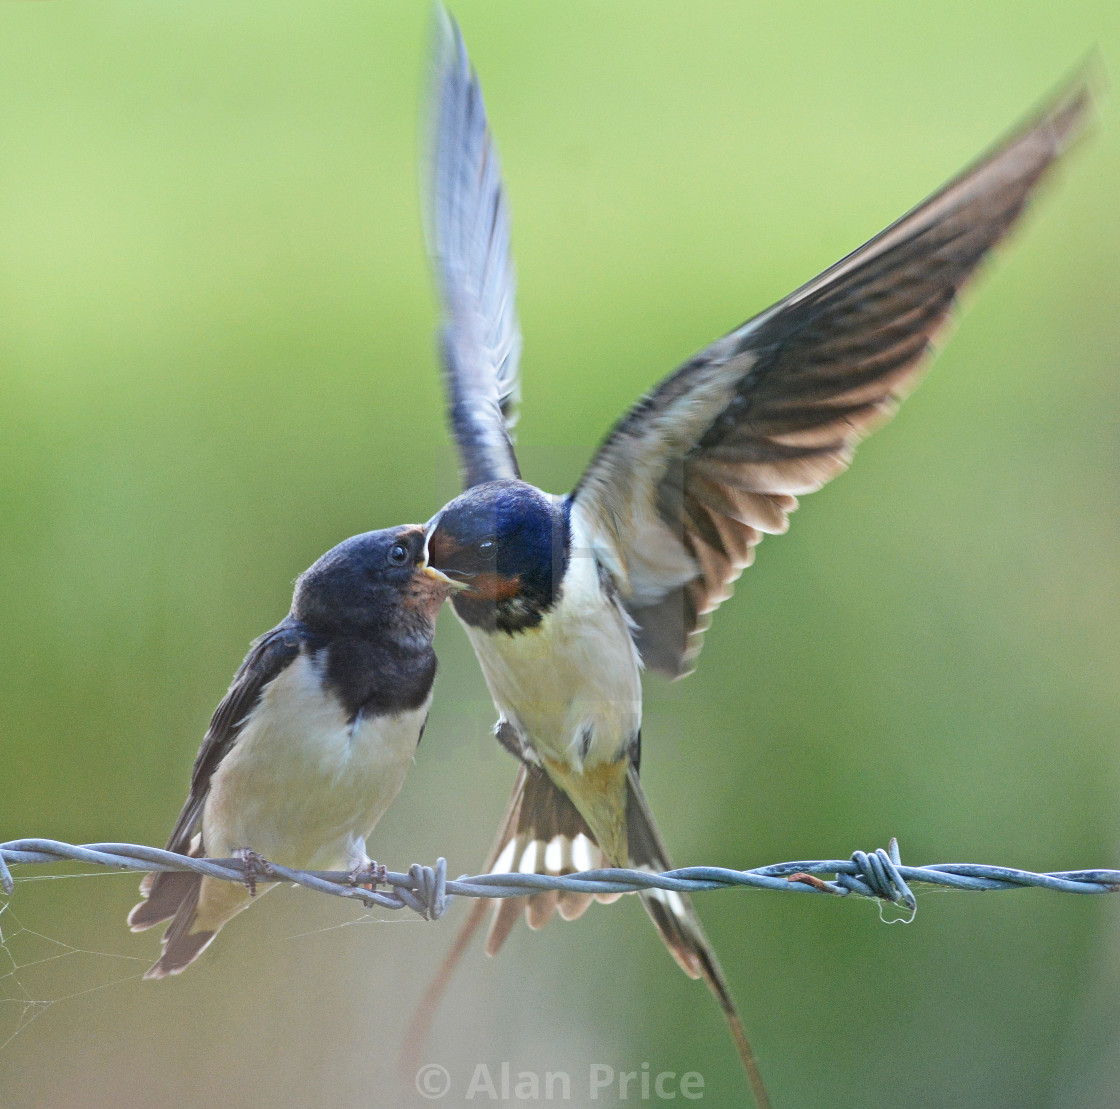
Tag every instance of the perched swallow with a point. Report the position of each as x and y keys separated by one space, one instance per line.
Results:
x=312 y=741
x=566 y=598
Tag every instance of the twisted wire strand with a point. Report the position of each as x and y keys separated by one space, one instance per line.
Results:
x=427 y=891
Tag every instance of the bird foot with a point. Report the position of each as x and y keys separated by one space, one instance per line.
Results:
x=369 y=876
x=256 y=867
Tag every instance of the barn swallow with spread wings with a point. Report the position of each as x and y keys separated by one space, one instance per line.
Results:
x=566 y=599
x=313 y=740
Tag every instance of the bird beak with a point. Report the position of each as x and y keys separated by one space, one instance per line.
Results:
x=431 y=571
x=440 y=576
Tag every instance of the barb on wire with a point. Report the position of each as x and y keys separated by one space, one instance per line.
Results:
x=427 y=891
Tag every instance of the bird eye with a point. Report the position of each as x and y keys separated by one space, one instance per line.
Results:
x=398 y=554
x=487 y=547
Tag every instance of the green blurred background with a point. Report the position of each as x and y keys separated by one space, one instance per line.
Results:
x=217 y=360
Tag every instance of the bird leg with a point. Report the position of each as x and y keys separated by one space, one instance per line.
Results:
x=256 y=867
x=369 y=875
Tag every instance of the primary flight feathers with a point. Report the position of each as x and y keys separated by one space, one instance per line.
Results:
x=468 y=228
x=712 y=459
x=692 y=477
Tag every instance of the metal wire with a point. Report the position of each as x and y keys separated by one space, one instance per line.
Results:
x=427 y=891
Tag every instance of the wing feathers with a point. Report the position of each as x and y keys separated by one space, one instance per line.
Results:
x=469 y=244
x=166 y=892
x=775 y=409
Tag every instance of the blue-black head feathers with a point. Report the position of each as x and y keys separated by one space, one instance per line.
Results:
x=507 y=543
x=363 y=581
x=369 y=611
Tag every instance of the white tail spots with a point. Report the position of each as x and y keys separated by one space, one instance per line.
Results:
x=504 y=863
x=554 y=854
x=585 y=854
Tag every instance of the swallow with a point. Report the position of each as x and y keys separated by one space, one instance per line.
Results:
x=566 y=599
x=312 y=741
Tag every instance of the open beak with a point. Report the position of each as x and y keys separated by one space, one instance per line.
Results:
x=440 y=576
x=431 y=571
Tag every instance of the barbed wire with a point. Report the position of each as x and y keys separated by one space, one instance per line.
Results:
x=427 y=891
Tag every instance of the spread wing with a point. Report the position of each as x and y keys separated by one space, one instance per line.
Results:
x=469 y=244
x=692 y=477
x=267 y=658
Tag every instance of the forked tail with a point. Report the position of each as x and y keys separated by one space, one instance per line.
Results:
x=543 y=833
x=197 y=908
x=676 y=920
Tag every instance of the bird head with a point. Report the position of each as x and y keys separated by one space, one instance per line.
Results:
x=375 y=581
x=504 y=546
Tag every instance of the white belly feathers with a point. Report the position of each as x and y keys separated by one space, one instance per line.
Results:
x=572 y=685
x=302 y=786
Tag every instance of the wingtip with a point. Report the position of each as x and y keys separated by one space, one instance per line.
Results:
x=1070 y=111
x=452 y=83
x=442 y=20
x=1060 y=120
x=448 y=48
x=1091 y=74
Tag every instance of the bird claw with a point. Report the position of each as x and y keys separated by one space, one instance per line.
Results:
x=256 y=867
x=369 y=876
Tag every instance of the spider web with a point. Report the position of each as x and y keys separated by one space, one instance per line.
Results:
x=38 y=971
